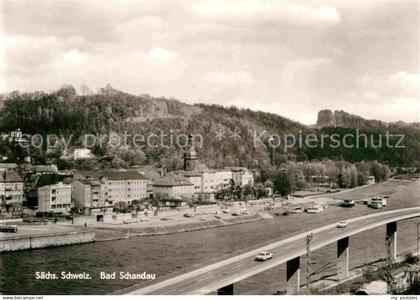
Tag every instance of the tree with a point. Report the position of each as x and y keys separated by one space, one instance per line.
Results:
x=248 y=190
x=67 y=91
x=282 y=184
x=378 y=171
x=86 y=91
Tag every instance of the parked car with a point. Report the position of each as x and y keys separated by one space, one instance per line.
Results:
x=342 y=224
x=263 y=256
x=297 y=210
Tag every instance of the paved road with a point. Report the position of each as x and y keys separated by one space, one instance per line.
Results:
x=212 y=277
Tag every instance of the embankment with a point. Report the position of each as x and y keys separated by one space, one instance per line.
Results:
x=44 y=240
x=173 y=228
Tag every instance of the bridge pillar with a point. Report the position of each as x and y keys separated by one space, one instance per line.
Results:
x=293 y=276
x=391 y=235
x=343 y=258
x=226 y=290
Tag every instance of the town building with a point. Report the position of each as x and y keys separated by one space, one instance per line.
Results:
x=195 y=178
x=33 y=182
x=207 y=181
x=11 y=193
x=214 y=180
x=118 y=186
x=55 y=198
x=40 y=169
x=90 y=196
x=82 y=153
x=7 y=166
x=242 y=176
x=173 y=187
x=16 y=136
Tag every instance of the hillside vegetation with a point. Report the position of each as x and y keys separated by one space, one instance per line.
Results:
x=114 y=112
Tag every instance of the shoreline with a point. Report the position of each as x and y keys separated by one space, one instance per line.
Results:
x=59 y=236
x=163 y=229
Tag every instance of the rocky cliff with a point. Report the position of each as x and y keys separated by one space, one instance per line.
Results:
x=339 y=118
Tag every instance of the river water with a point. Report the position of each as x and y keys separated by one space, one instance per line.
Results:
x=173 y=253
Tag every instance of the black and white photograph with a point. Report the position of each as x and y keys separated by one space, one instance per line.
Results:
x=209 y=147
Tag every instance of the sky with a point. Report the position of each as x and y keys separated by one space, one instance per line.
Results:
x=292 y=58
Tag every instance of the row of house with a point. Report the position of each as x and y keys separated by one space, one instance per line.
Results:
x=45 y=189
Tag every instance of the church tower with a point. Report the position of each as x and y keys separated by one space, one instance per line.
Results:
x=190 y=156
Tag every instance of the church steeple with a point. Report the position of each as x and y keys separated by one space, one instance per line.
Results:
x=190 y=155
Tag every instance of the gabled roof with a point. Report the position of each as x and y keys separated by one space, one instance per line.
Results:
x=9 y=176
x=49 y=179
x=8 y=166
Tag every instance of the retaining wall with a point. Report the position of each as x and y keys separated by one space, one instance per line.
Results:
x=15 y=243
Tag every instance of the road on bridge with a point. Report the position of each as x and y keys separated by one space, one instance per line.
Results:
x=220 y=274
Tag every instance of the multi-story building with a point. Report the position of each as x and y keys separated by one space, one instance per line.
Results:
x=90 y=195
x=11 y=192
x=195 y=178
x=242 y=176
x=117 y=186
x=173 y=187
x=213 y=180
x=55 y=198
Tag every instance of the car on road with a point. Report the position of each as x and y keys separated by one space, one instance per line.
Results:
x=263 y=256
x=342 y=224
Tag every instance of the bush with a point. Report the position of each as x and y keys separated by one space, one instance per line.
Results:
x=410 y=258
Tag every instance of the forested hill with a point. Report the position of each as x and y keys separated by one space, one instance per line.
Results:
x=228 y=133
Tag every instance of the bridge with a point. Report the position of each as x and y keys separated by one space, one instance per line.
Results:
x=221 y=276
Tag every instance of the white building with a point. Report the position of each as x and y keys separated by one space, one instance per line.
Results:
x=82 y=153
x=242 y=176
x=207 y=181
x=195 y=178
x=213 y=180
x=55 y=198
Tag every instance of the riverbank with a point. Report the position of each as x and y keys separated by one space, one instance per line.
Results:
x=117 y=232
x=44 y=236
x=171 y=254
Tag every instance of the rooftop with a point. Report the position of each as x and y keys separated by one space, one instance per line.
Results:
x=9 y=176
x=113 y=175
x=171 y=181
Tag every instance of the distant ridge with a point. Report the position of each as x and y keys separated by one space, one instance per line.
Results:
x=339 y=118
x=228 y=132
